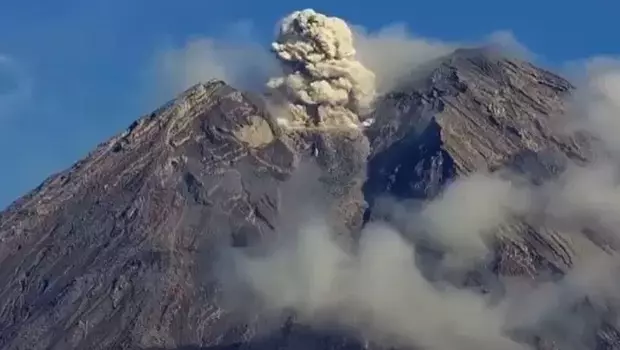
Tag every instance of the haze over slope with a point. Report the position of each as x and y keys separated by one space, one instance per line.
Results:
x=228 y=219
x=371 y=291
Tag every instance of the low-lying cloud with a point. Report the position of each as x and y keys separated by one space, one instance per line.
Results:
x=377 y=291
x=380 y=290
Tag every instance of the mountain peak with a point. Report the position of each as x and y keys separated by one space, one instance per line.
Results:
x=119 y=250
x=486 y=103
x=124 y=240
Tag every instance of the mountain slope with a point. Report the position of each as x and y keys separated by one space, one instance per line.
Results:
x=477 y=111
x=117 y=251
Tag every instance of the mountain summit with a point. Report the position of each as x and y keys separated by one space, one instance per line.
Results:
x=115 y=251
x=122 y=250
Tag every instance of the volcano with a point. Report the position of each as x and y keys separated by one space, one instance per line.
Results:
x=119 y=250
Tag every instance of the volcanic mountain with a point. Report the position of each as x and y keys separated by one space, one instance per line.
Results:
x=119 y=251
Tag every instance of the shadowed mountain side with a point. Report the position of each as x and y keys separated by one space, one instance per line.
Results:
x=118 y=251
x=469 y=112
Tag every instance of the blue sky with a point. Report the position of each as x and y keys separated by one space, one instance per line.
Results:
x=75 y=72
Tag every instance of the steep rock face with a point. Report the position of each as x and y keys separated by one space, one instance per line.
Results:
x=116 y=251
x=473 y=111
x=477 y=111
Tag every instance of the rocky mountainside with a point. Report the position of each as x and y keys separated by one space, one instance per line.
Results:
x=117 y=251
x=476 y=112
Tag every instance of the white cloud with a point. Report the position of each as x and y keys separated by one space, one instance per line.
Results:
x=240 y=61
x=377 y=291
x=393 y=52
x=508 y=43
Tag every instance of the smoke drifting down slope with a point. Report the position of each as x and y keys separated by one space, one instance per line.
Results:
x=380 y=290
x=323 y=81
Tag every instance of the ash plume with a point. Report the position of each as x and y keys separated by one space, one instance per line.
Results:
x=323 y=81
x=381 y=291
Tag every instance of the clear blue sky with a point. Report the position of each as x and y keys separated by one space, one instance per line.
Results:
x=74 y=72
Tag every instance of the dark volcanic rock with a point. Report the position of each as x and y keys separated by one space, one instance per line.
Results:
x=476 y=111
x=472 y=112
x=117 y=251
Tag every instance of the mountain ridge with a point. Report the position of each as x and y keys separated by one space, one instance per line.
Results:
x=117 y=251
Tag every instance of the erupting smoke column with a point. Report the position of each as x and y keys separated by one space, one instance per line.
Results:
x=323 y=81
